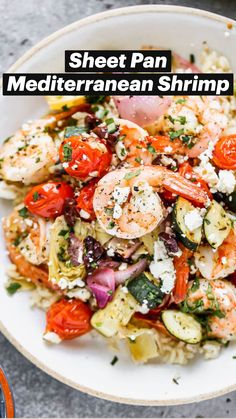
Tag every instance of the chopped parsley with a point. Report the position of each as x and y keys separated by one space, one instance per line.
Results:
x=180 y=101
x=187 y=140
x=111 y=126
x=64 y=233
x=95 y=99
x=196 y=285
x=65 y=108
x=151 y=149
x=67 y=152
x=111 y=224
x=176 y=134
x=114 y=360
x=182 y=120
x=35 y=196
x=131 y=175
x=176 y=380
x=13 y=287
x=23 y=212
x=192 y=58
x=138 y=159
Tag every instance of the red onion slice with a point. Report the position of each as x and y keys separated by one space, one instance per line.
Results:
x=102 y=284
x=185 y=64
x=143 y=110
x=131 y=272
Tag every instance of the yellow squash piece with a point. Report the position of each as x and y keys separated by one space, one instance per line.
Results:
x=56 y=103
x=116 y=314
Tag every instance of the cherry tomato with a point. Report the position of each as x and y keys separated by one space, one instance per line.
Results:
x=182 y=274
x=84 y=158
x=47 y=200
x=85 y=199
x=224 y=154
x=186 y=169
x=69 y=319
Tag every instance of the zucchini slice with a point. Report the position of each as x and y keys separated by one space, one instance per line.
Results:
x=190 y=239
x=182 y=326
x=216 y=224
x=143 y=290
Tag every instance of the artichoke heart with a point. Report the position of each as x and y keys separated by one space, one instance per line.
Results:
x=61 y=270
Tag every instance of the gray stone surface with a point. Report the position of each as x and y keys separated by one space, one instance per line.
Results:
x=23 y=23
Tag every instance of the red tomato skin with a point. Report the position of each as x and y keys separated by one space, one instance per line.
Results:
x=85 y=199
x=69 y=319
x=224 y=153
x=85 y=159
x=47 y=200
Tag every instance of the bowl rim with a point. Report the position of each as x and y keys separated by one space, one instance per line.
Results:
x=13 y=68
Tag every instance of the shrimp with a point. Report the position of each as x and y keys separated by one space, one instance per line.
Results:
x=127 y=205
x=220 y=263
x=28 y=155
x=28 y=244
x=197 y=120
x=218 y=298
x=132 y=145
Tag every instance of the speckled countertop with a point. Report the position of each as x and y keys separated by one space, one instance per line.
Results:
x=23 y=23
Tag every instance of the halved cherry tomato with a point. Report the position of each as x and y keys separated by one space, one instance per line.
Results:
x=84 y=158
x=224 y=154
x=47 y=200
x=186 y=169
x=69 y=319
x=182 y=274
x=85 y=199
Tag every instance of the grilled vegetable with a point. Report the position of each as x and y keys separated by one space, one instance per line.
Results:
x=191 y=239
x=60 y=266
x=217 y=225
x=116 y=314
x=144 y=291
x=182 y=326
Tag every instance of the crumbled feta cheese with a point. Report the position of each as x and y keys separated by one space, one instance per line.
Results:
x=82 y=294
x=193 y=219
x=224 y=260
x=162 y=267
x=110 y=252
x=93 y=174
x=52 y=337
x=168 y=149
x=144 y=199
x=143 y=308
x=123 y=266
x=84 y=214
x=121 y=194
x=117 y=211
x=63 y=283
x=121 y=150
x=227 y=182
x=207 y=172
x=125 y=290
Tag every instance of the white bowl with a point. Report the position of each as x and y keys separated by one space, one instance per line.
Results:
x=85 y=363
